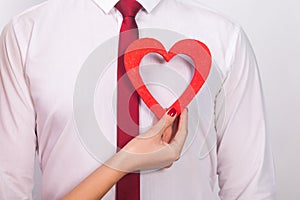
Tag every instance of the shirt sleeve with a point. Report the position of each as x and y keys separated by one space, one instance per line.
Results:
x=245 y=165
x=17 y=122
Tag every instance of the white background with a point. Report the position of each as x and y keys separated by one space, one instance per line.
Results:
x=273 y=27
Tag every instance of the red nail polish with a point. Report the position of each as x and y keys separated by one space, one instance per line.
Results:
x=172 y=112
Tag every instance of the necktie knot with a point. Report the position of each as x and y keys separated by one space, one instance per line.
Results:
x=128 y=8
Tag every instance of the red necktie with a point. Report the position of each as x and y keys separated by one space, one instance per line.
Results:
x=128 y=188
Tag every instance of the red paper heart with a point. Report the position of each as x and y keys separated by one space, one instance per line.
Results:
x=195 y=49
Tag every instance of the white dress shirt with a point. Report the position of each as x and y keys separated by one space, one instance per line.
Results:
x=42 y=51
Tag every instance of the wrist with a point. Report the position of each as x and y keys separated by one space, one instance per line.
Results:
x=121 y=163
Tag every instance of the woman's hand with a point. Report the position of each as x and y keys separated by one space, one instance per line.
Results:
x=146 y=151
x=150 y=150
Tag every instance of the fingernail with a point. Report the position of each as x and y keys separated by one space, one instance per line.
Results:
x=172 y=112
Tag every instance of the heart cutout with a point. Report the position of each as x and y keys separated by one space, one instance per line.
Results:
x=194 y=49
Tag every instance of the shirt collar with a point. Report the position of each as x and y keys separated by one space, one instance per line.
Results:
x=107 y=5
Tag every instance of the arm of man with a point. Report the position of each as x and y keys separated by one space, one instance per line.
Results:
x=245 y=164
x=17 y=121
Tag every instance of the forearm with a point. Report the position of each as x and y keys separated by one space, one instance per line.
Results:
x=147 y=151
x=96 y=185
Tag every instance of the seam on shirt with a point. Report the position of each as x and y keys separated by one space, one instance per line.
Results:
x=28 y=10
x=17 y=30
x=14 y=27
x=229 y=59
x=232 y=48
